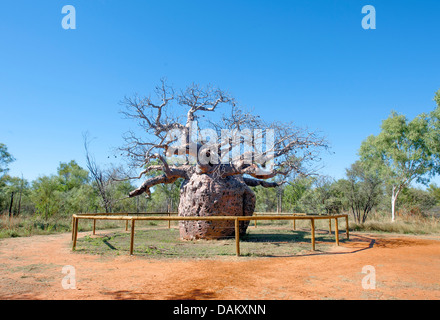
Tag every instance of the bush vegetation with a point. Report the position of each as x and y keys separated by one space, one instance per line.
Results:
x=404 y=152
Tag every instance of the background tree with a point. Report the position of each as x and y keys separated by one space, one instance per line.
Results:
x=322 y=197
x=416 y=202
x=102 y=179
x=118 y=190
x=434 y=190
x=74 y=189
x=46 y=195
x=434 y=133
x=16 y=189
x=294 y=191
x=5 y=193
x=403 y=152
x=361 y=189
x=266 y=199
x=5 y=159
x=72 y=175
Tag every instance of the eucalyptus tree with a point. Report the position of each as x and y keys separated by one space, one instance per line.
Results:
x=5 y=159
x=404 y=151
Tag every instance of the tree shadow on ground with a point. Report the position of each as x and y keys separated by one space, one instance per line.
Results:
x=299 y=240
x=304 y=236
x=127 y=295
x=194 y=294
x=109 y=245
x=294 y=236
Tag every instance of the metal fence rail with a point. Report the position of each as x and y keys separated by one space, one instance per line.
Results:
x=138 y=216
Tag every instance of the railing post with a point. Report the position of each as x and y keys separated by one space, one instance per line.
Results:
x=237 y=237
x=337 y=231
x=312 y=223
x=73 y=226
x=75 y=234
x=330 y=226
x=94 y=226
x=132 y=236
x=347 y=227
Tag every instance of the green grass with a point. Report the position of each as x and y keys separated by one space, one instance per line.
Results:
x=164 y=243
x=24 y=226
x=400 y=227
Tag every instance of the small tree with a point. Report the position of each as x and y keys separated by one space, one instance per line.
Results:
x=404 y=151
x=416 y=202
x=72 y=175
x=13 y=188
x=322 y=197
x=5 y=159
x=265 y=199
x=294 y=191
x=76 y=192
x=102 y=179
x=361 y=190
x=434 y=190
x=46 y=195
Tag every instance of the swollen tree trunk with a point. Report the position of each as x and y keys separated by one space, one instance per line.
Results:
x=203 y=195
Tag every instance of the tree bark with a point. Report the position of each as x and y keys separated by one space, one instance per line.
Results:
x=395 y=194
x=393 y=205
x=10 y=206
x=203 y=195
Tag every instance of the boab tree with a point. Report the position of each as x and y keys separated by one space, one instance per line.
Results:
x=218 y=159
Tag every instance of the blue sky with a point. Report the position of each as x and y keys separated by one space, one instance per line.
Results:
x=306 y=61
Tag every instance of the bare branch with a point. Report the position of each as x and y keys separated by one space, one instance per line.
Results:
x=291 y=153
x=172 y=176
x=265 y=184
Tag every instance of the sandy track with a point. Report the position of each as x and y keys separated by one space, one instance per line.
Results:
x=406 y=268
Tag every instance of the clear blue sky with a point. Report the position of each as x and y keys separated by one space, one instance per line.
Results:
x=306 y=61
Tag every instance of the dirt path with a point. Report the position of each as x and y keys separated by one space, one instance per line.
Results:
x=406 y=268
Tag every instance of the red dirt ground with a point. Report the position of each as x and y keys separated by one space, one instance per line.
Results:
x=406 y=268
